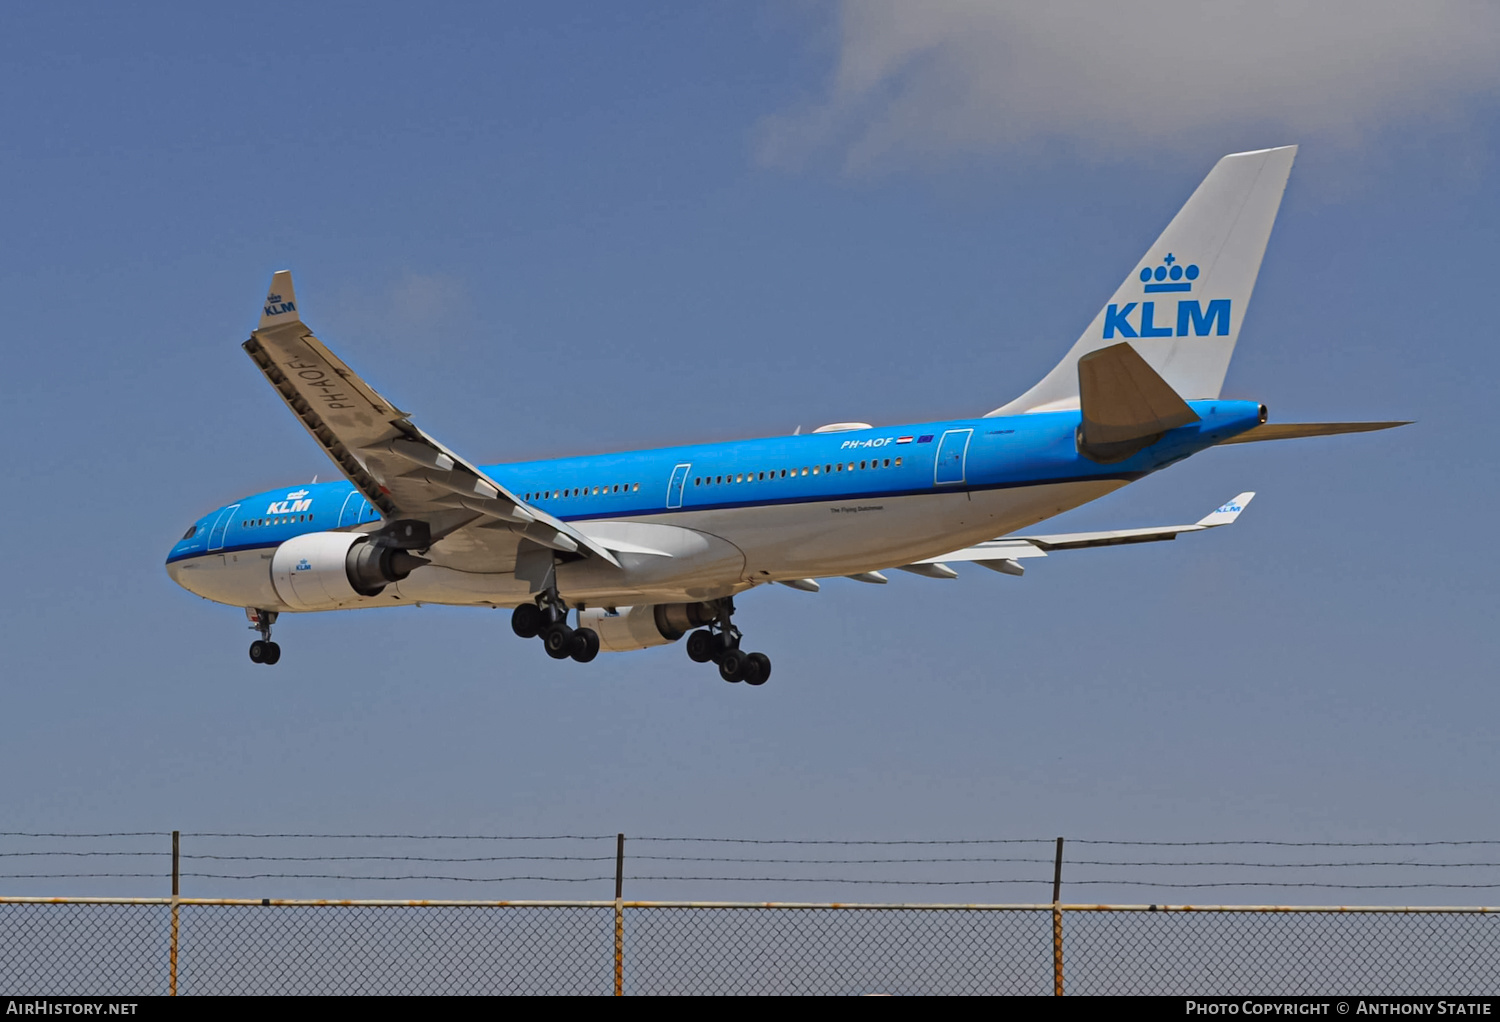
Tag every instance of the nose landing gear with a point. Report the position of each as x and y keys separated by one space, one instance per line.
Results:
x=720 y=643
x=263 y=650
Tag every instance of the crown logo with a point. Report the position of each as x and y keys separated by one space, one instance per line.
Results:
x=1169 y=276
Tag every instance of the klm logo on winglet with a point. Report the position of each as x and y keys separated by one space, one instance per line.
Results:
x=275 y=306
x=1190 y=317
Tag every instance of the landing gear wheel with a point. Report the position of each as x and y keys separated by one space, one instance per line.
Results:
x=732 y=665
x=262 y=650
x=558 y=639
x=701 y=646
x=527 y=621
x=757 y=669
x=584 y=645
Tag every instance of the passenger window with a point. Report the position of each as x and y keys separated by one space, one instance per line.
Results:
x=815 y=470
x=898 y=462
x=861 y=466
x=637 y=486
x=888 y=463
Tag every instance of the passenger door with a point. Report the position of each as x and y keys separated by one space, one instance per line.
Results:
x=679 y=480
x=952 y=457
x=221 y=526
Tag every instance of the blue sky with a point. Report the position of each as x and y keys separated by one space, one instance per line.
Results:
x=548 y=232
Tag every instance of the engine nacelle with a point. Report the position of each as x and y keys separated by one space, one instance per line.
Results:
x=640 y=627
x=329 y=570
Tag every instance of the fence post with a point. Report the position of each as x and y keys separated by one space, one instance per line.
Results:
x=1057 y=933
x=176 y=890
x=619 y=915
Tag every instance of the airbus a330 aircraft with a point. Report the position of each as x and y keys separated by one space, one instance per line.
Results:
x=649 y=546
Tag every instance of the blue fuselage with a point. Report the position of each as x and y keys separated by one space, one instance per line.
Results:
x=959 y=456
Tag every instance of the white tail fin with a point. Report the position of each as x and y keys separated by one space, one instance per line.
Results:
x=1181 y=308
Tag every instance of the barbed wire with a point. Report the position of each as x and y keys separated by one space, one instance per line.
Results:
x=1286 y=844
x=925 y=860
x=122 y=833
x=922 y=860
x=17 y=855
x=402 y=858
x=414 y=837
x=752 y=841
x=821 y=841
x=865 y=881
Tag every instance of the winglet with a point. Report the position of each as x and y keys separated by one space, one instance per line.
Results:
x=281 y=302
x=1227 y=513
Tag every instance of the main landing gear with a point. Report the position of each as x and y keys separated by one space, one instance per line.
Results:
x=263 y=650
x=549 y=619
x=720 y=643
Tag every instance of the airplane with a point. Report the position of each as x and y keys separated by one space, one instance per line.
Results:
x=641 y=548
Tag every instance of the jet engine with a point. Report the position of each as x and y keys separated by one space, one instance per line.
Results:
x=329 y=570
x=640 y=627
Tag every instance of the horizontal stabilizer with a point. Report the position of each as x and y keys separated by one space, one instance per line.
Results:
x=1003 y=555
x=1126 y=404
x=1291 y=430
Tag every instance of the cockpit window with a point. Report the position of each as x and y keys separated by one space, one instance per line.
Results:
x=190 y=533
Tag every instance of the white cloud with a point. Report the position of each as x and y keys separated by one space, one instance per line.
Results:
x=415 y=310
x=929 y=79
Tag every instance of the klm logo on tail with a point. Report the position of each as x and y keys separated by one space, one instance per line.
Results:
x=1191 y=318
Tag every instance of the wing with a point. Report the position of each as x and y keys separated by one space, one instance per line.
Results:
x=419 y=485
x=1004 y=555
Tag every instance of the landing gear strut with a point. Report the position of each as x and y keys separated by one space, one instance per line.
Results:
x=548 y=617
x=263 y=650
x=720 y=643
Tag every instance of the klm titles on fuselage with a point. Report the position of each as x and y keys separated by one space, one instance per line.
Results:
x=296 y=502
x=1191 y=318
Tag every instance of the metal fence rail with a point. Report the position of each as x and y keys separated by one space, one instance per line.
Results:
x=151 y=946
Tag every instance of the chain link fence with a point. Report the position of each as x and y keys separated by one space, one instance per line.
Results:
x=127 y=947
